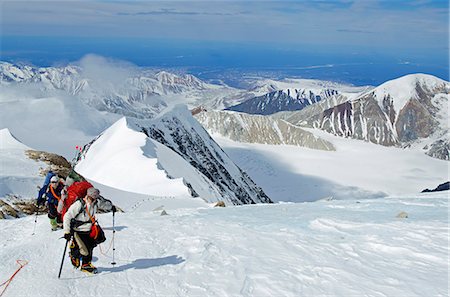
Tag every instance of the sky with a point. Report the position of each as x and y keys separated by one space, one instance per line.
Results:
x=258 y=34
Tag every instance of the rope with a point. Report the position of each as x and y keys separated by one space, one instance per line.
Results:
x=21 y=263
x=104 y=253
x=110 y=245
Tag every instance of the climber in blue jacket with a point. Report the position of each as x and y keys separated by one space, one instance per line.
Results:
x=51 y=192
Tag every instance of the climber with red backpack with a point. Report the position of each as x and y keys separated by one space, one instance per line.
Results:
x=78 y=222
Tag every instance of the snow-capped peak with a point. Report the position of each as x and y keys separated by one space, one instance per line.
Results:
x=405 y=88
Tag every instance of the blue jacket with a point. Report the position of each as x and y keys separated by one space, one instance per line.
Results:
x=52 y=195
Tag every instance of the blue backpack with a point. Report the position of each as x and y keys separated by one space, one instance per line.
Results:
x=41 y=195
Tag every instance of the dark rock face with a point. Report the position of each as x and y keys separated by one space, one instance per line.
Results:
x=283 y=100
x=414 y=121
x=361 y=119
x=440 y=149
x=442 y=187
x=199 y=149
x=376 y=120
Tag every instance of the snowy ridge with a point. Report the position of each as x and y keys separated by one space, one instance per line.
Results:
x=126 y=90
x=129 y=163
x=175 y=156
x=9 y=142
x=180 y=132
x=263 y=86
x=284 y=100
x=294 y=94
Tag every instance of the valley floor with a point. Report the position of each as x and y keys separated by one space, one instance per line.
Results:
x=322 y=248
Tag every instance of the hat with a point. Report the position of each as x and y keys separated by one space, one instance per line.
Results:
x=69 y=181
x=93 y=192
x=54 y=179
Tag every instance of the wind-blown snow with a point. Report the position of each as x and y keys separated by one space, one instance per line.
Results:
x=325 y=248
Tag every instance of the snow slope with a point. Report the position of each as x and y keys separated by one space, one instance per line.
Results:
x=356 y=170
x=324 y=248
x=18 y=174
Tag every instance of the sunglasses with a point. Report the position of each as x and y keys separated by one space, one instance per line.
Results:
x=53 y=182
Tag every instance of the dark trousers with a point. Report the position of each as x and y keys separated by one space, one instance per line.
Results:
x=53 y=213
x=83 y=246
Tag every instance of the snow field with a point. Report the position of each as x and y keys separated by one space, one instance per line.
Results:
x=338 y=248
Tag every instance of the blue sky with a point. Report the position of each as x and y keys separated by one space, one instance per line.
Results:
x=233 y=32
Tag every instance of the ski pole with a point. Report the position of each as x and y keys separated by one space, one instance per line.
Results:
x=62 y=261
x=114 y=231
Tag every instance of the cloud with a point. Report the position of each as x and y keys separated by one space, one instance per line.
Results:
x=105 y=72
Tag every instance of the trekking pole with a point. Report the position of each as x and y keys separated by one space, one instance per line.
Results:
x=114 y=231
x=35 y=222
x=62 y=261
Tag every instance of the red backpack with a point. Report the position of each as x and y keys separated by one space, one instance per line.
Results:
x=75 y=191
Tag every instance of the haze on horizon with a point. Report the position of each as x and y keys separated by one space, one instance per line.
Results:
x=383 y=38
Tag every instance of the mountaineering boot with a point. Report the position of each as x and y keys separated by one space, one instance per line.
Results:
x=53 y=224
x=75 y=261
x=74 y=255
x=89 y=268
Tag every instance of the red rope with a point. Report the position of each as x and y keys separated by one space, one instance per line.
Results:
x=21 y=263
x=104 y=253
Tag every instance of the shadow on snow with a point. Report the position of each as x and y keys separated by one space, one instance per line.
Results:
x=145 y=263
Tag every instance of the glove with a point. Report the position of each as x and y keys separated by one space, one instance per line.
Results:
x=114 y=209
x=40 y=202
x=67 y=236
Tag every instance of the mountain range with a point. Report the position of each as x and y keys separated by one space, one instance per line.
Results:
x=411 y=110
x=164 y=150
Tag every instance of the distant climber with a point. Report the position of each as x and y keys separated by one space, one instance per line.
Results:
x=51 y=192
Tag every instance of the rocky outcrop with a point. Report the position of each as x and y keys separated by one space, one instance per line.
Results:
x=13 y=206
x=56 y=163
x=243 y=127
x=442 y=187
x=440 y=149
